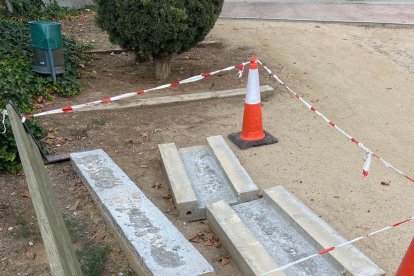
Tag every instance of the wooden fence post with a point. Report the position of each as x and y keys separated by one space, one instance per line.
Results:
x=59 y=249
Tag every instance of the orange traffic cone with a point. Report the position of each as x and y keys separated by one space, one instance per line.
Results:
x=407 y=264
x=252 y=134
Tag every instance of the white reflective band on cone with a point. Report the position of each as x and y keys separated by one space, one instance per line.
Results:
x=253 y=87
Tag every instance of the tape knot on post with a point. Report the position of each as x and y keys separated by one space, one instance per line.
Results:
x=367 y=164
x=4 y=113
x=241 y=69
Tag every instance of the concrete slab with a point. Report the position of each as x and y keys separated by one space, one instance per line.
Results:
x=184 y=196
x=207 y=178
x=176 y=99
x=151 y=242
x=239 y=180
x=353 y=260
x=288 y=231
x=214 y=174
x=247 y=252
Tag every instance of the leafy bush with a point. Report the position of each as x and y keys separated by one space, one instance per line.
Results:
x=36 y=10
x=21 y=85
x=158 y=28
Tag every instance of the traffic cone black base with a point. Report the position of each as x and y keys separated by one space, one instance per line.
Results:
x=242 y=144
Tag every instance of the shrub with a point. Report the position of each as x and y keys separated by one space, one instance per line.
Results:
x=158 y=28
x=21 y=85
x=36 y=9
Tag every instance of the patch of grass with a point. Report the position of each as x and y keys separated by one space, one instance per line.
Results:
x=77 y=230
x=79 y=132
x=127 y=272
x=23 y=230
x=267 y=96
x=93 y=259
x=89 y=74
x=98 y=121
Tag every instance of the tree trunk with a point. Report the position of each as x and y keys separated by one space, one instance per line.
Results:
x=140 y=57
x=162 y=66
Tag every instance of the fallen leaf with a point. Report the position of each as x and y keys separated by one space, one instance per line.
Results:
x=195 y=239
x=26 y=194
x=38 y=105
x=167 y=196
x=30 y=255
x=156 y=186
x=198 y=237
x=208 y=243
x=75 y=206
x=385 y=183
x=143 y=166
x=224 y=261
x=315 y=101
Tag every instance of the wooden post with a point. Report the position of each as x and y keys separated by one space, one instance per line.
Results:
x=56 y=239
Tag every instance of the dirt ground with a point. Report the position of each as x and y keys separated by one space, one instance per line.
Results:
x=360 y=77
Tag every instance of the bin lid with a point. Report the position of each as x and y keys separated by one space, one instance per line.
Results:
x=45 y=35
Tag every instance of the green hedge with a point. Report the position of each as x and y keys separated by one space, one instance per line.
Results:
x=19 y=84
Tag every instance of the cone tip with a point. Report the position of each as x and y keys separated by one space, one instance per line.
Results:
x=253 y=63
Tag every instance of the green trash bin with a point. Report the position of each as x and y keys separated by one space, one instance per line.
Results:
x=47 y=48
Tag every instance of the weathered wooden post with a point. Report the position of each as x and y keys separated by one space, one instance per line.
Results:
x=56 y=239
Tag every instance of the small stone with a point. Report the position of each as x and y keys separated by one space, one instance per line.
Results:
x=10 y=229
x=30 y=255
x=385 y=183
x=112 y=53
x=30 y=243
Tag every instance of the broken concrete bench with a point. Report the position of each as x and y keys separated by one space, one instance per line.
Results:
x=205 y=174
x=264 y=234
x=151 y=242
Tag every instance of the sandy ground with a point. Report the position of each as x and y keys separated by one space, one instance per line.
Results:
x=359 y=77
x=363 y=79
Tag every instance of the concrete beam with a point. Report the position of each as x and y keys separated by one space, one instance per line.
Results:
x=353 y=260
x=240 y=181
x=246 y=251
x=182 y=191
x=150 y=241
x=207 y=174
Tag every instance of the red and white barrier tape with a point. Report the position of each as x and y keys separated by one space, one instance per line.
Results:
x=3 y=121
x=284 y=267
x=369 y=153
x=72 y=108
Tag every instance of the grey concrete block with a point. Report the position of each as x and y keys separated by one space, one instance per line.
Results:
x=182 y=190
x=240 y=181
x=353 y=260
x=246 y=251
x=287 y=230
x=208 y=174
x=151 y=242
x=178 y=99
